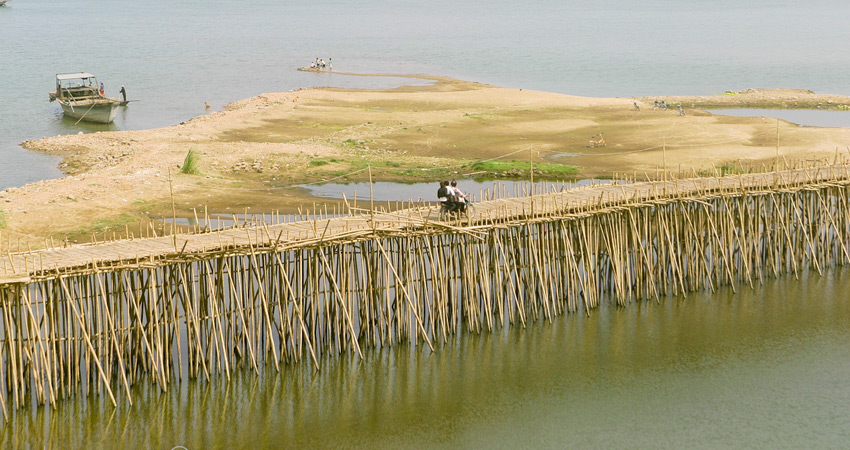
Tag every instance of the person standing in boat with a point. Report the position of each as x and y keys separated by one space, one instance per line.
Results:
x=102 y=91
x=123 y=93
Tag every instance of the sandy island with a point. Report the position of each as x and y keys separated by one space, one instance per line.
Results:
x=255 y=152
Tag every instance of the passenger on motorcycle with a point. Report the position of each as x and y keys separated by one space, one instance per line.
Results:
x=448 y=199
x=461 y=196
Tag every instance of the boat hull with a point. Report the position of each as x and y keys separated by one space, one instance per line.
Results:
x=101 y=112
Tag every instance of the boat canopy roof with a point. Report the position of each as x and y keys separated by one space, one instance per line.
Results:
x=73 y=76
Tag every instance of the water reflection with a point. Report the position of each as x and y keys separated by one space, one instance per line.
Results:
x=71 y=125
x=765 y=367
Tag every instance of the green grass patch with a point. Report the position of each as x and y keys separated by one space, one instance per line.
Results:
x=108 y=224
x=355 y=163
x=420 y=173
x=724 y=169
x=415 y=169
x=318 y=162
x=729 y=168
x=143 y=206
x=522 y=167
x=190 y=164
x=352 y=143
x=478 y=116
x=356 y=166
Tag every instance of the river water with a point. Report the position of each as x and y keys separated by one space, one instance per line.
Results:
x=766 y=367
x=760 y=368
x=173 y=56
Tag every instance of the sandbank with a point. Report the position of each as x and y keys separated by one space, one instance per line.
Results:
x=253 y=155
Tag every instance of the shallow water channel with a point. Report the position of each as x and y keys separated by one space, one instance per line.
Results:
x=802 y=117
x=763 y=368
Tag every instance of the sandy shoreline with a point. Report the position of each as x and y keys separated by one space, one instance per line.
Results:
x=252 y=154
x=760 y=98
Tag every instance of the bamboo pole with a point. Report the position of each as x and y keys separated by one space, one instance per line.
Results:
x=388 y=277
x=85 y=333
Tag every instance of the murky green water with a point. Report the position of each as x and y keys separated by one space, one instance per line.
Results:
x=764 y=368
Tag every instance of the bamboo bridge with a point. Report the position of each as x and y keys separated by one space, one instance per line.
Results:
x=96 y=319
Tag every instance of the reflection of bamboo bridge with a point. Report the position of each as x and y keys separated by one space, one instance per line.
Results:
x=98 y=318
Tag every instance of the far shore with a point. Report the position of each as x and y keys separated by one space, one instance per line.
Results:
x=254 y=154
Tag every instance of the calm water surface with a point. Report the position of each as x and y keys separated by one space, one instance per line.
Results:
x=174 y=56
x=763 y=368
x=803 y=117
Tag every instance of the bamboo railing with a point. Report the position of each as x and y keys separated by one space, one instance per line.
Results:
x=101 y=318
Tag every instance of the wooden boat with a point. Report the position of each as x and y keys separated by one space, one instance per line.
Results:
x=2 y=2
x=79 y=95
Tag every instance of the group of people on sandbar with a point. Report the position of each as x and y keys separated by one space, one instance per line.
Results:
x=322 y=65
x=451 y=197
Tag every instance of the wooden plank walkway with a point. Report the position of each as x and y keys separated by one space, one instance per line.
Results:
x=23 y=267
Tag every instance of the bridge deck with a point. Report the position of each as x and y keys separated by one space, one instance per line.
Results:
x=27 y=266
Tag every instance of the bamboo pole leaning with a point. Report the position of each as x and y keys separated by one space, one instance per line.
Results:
x=262 y=300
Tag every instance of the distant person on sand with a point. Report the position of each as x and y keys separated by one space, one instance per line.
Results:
x=636 y=106
x=123 y=93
